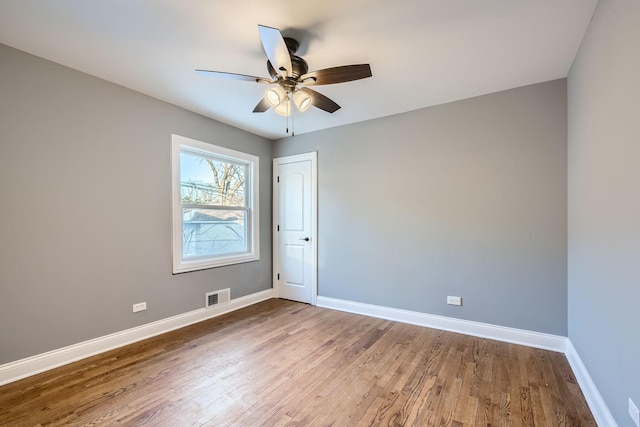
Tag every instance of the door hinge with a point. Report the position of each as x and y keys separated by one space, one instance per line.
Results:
x=278 y=276
x=278 y=179
x=278 y=228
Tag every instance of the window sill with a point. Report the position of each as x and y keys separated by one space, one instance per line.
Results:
x=203 y=264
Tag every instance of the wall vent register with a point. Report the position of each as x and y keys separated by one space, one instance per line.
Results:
x=216 y=297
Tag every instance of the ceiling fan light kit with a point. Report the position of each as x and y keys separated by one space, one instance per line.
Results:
x=277 y=97
x=290 y=76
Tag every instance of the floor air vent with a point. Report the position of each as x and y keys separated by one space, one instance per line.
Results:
x=216 y=297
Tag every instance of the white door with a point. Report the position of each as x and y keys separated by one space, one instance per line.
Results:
x=295 y=246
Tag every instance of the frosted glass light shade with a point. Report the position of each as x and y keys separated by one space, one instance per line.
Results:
x=275 y=95
x=284 y=108
x=302 y=100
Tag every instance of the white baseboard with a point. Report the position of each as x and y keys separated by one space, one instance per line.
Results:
x=23 y=368
x=477 y=329
x=594 y=399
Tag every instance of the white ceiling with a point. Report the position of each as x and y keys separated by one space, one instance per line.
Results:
x=422 y=52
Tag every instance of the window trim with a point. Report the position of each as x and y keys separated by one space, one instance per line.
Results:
x=252 y=195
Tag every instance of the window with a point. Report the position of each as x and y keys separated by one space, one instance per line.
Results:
x=215 y=205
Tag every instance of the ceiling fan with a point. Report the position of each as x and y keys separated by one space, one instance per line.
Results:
x=290 y=75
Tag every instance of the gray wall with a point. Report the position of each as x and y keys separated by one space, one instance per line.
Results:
x=604 y=203
x=85 y=211
x=465 y=199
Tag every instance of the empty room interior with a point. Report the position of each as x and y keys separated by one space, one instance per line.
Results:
x=336 y=213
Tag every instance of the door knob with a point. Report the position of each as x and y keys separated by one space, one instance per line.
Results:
x=306 y=239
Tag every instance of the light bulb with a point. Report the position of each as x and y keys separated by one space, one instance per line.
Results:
x=275 y=95
x=302 y=100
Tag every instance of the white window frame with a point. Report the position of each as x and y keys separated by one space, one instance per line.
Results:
x=180 y=265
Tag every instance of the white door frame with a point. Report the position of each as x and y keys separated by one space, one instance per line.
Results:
x=313 y=156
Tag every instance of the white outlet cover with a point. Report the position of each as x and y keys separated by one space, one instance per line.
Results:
x=454 y=300
x=634 y=413
x=141 y=306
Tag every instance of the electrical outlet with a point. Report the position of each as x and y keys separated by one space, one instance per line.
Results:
x=634 y=413
x=454 y=300
x=141 y=306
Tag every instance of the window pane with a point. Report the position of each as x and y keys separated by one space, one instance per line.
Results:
x=207 y=232
x=206 y=181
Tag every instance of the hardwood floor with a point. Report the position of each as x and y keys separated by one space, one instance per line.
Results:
x=281 y=363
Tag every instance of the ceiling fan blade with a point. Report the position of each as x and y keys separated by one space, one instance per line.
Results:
x=276 y=50
x=234 y=76
x=320 y=101
x=262 y=106
x=345 y=73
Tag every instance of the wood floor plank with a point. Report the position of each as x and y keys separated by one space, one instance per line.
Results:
x=281 y=363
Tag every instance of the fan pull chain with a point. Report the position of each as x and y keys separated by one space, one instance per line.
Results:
x=288 y=98
x=289 y=112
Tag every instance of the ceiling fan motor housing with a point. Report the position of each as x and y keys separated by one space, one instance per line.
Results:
x=298 y=65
